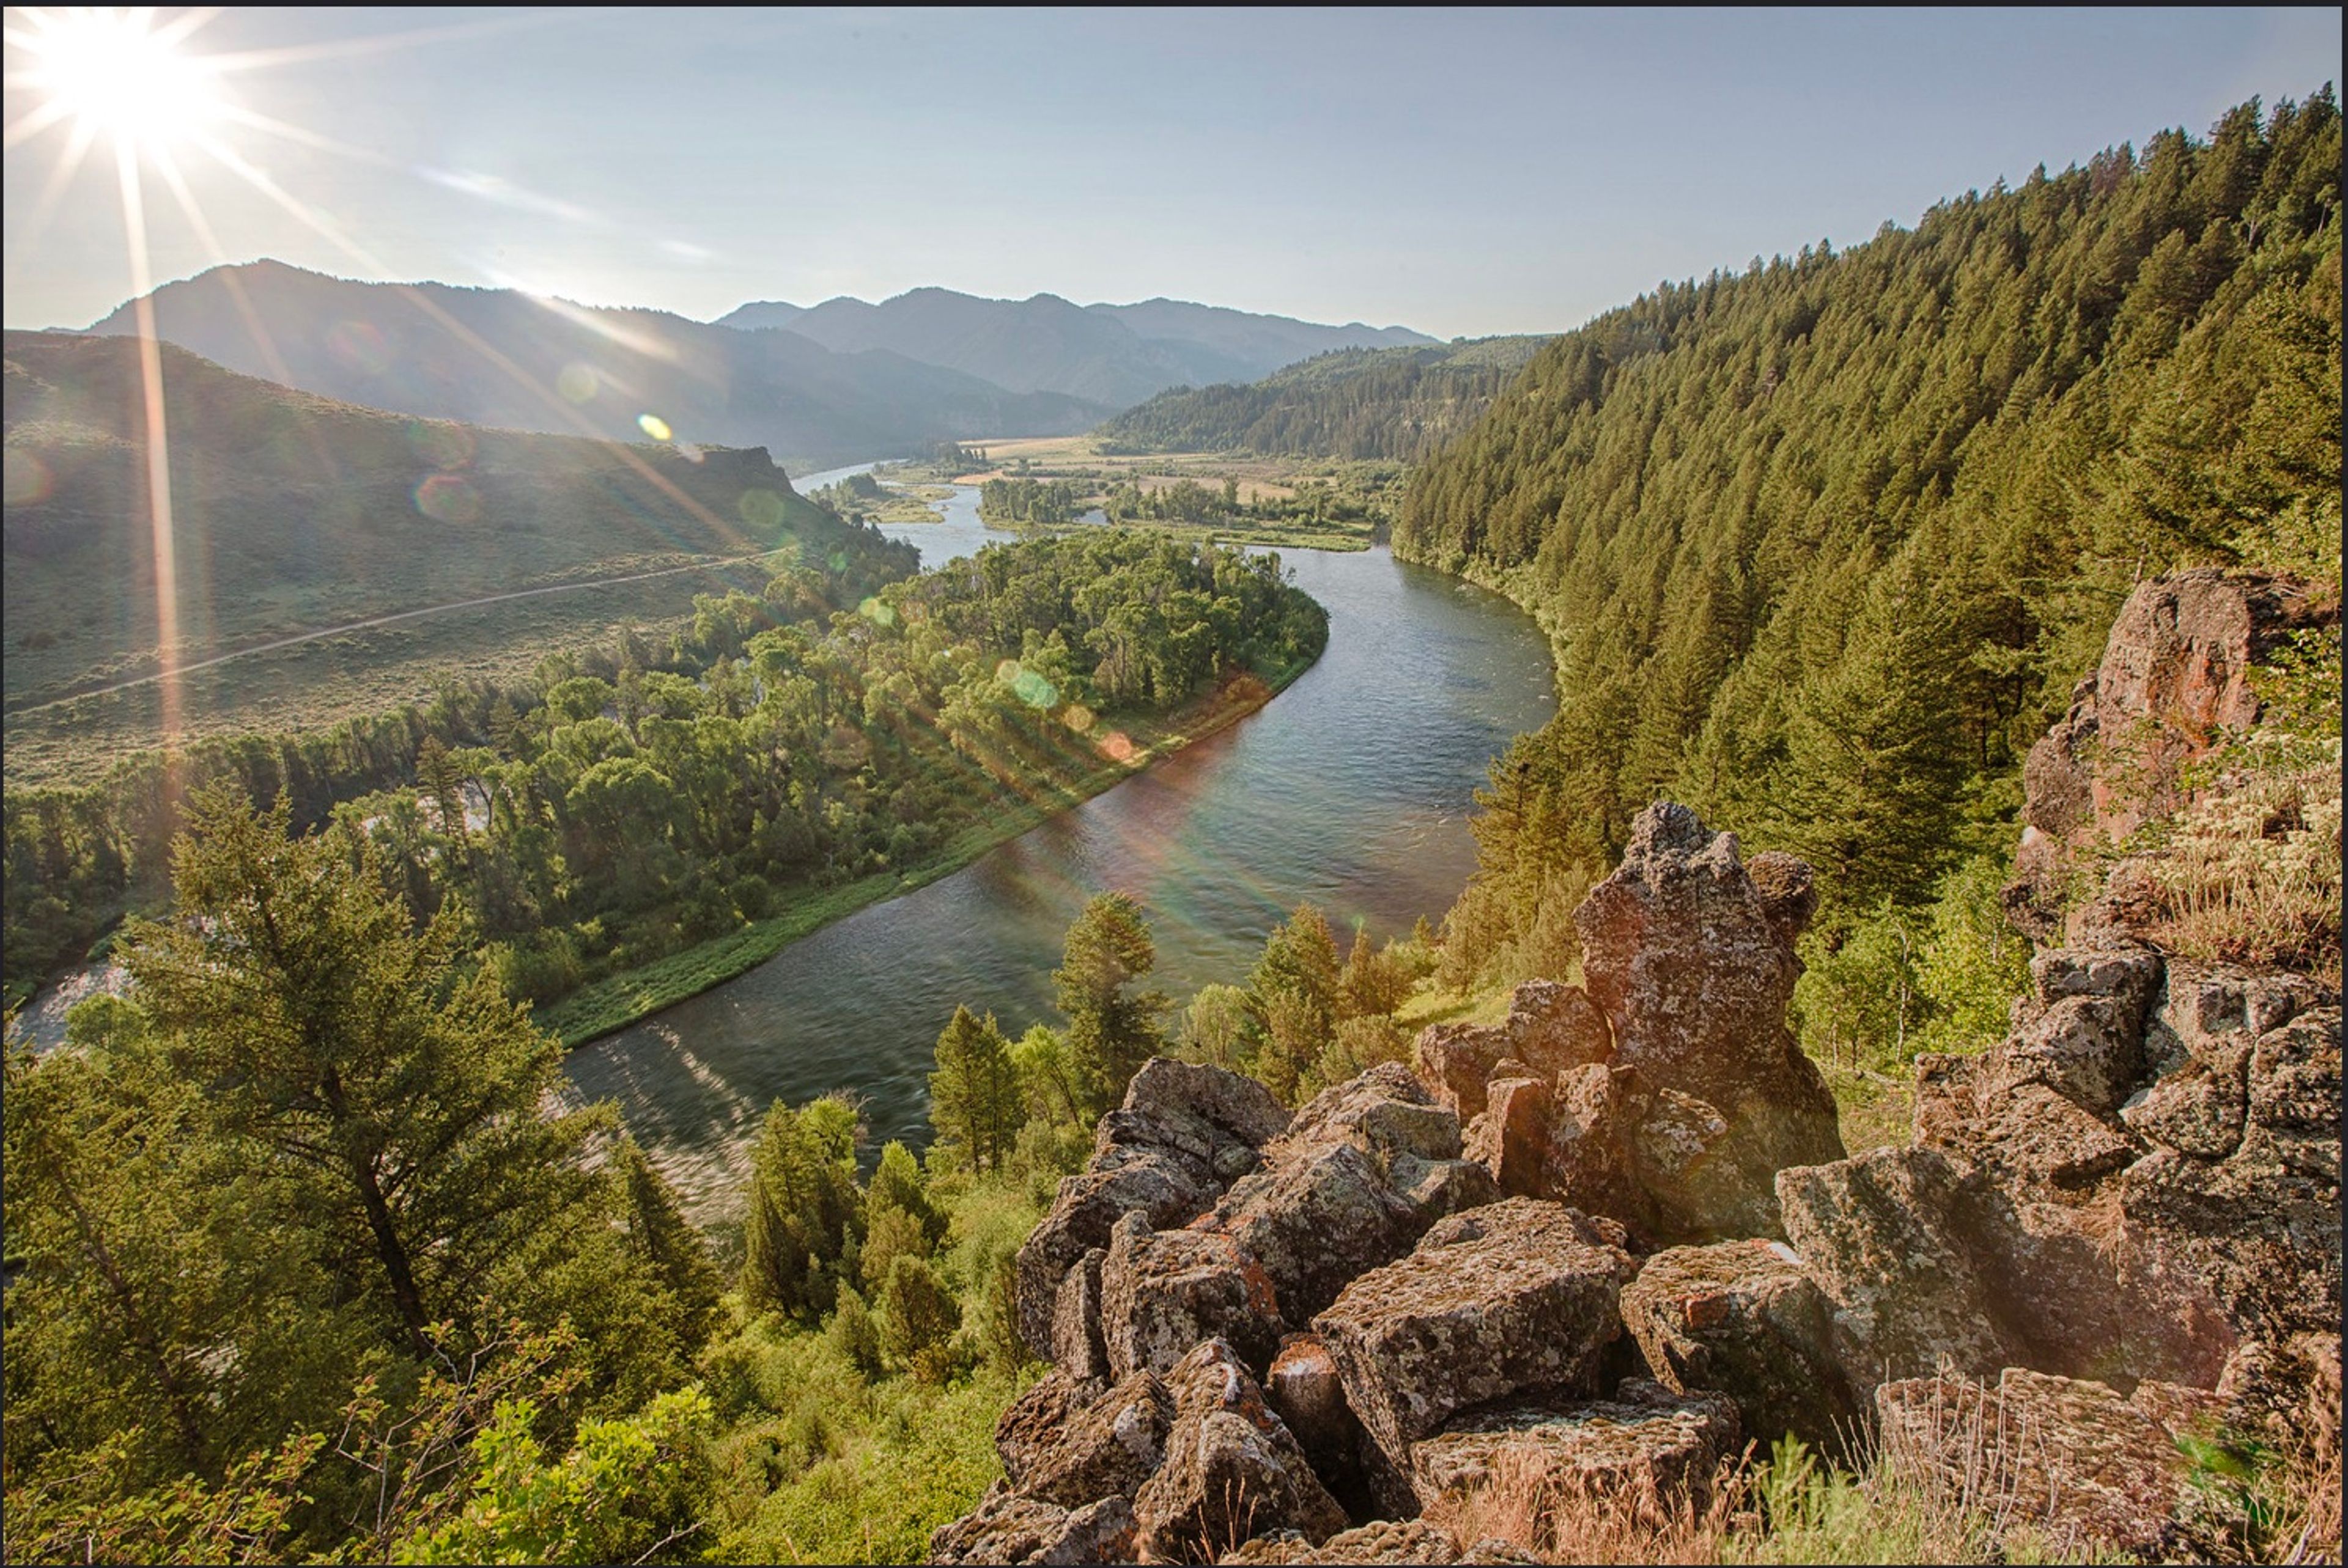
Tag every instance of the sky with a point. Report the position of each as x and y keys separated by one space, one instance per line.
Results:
x=1461 y=172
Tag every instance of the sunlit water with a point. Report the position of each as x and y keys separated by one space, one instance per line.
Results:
x=1349 y=791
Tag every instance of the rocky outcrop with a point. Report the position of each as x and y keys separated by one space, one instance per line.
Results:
x=1231 y=1471
x=2174 y=675
x=2117 y=1226
x=1669 y=1093
x=1646 y=1443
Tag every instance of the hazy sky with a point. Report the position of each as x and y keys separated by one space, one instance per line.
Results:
x=1456 y=171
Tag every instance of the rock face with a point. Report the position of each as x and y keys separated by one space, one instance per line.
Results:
x=1232 y=1469
x=1646 y=1442
x=1184 y=1134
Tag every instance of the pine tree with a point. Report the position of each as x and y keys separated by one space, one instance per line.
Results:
x=974 y=1098
x=805 y=1223
x=1111 y=1031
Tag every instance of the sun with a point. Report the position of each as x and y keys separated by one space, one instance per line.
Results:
x=116 y=74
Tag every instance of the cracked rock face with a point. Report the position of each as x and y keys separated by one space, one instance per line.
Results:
x=1743 y=1320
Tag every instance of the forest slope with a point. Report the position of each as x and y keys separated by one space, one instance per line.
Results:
x=1824 y=545
x=1399 y=403
x=293 y=513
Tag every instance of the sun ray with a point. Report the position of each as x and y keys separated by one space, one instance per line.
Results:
x=159 y=461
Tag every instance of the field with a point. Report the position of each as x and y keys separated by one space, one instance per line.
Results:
x=313 y=685
x=1308 y=503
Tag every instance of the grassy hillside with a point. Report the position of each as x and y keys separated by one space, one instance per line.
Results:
x=1396 y=404
x=500 y=357
x=1823 y=544
x=293 y=513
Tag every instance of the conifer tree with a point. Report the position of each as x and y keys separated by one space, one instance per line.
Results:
x=975 y=1103
x=1111 y=1030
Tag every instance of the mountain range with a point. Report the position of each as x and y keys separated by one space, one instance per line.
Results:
x=1114 y=354
x=834 y=382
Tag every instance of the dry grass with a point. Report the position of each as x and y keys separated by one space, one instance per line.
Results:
x=2253 y=875
x=1558 y=1516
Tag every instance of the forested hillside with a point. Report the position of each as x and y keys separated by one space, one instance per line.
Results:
x=1822 y=545
x=1398 y=404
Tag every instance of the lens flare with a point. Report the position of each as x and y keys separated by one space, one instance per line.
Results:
x=447 y=499
x=578 y=383
x=1117 y=746
x=115 y=74
x=653 y=425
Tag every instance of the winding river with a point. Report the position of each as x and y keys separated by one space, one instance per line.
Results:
x=1350 y=790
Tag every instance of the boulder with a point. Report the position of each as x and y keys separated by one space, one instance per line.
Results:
x=1304 y=1387
x=1111 y=1446
x=2068 y=1458
x=1008 y=1528
x=1365 y=1168
x=1162 y=1292
x=1692 y=962
x=1740 y=1317
x=1184 y=1133
x=1511 y=1138
x=1232 y=1469
x=1519 y=1295
x=1076 y=1346
x=1647 y=1442
x=1380 y=1540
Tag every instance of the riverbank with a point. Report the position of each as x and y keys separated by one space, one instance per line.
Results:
x=614 y=1002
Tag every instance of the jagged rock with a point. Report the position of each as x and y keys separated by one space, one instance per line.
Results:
x=1588 y=1161
x=2293 y=1110
x=1550 y=1028
x=1364 y=1169
x=1183 y=1134
x=1008 y=1528
x=2039 y=1144
x=1647 y=1441
x=1162 y=1292
x=1032 y=1424
x=1111 y=1446
x=2176 y=672
x=1742 y=1318
x=2068 y=1457
x=2257 y=1243
x=1520 y=1294
x=1878 y=1235
x=1076 y=1346
x=1232 y=1469
x=2085 y=1047
x=1693 y=964
x=1683 y=959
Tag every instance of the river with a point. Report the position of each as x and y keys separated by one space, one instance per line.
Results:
x=1350 y=790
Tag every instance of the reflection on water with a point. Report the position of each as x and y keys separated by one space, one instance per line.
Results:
x=1350 y=791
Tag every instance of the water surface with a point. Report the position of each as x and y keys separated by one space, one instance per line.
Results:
x=1349 y=789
